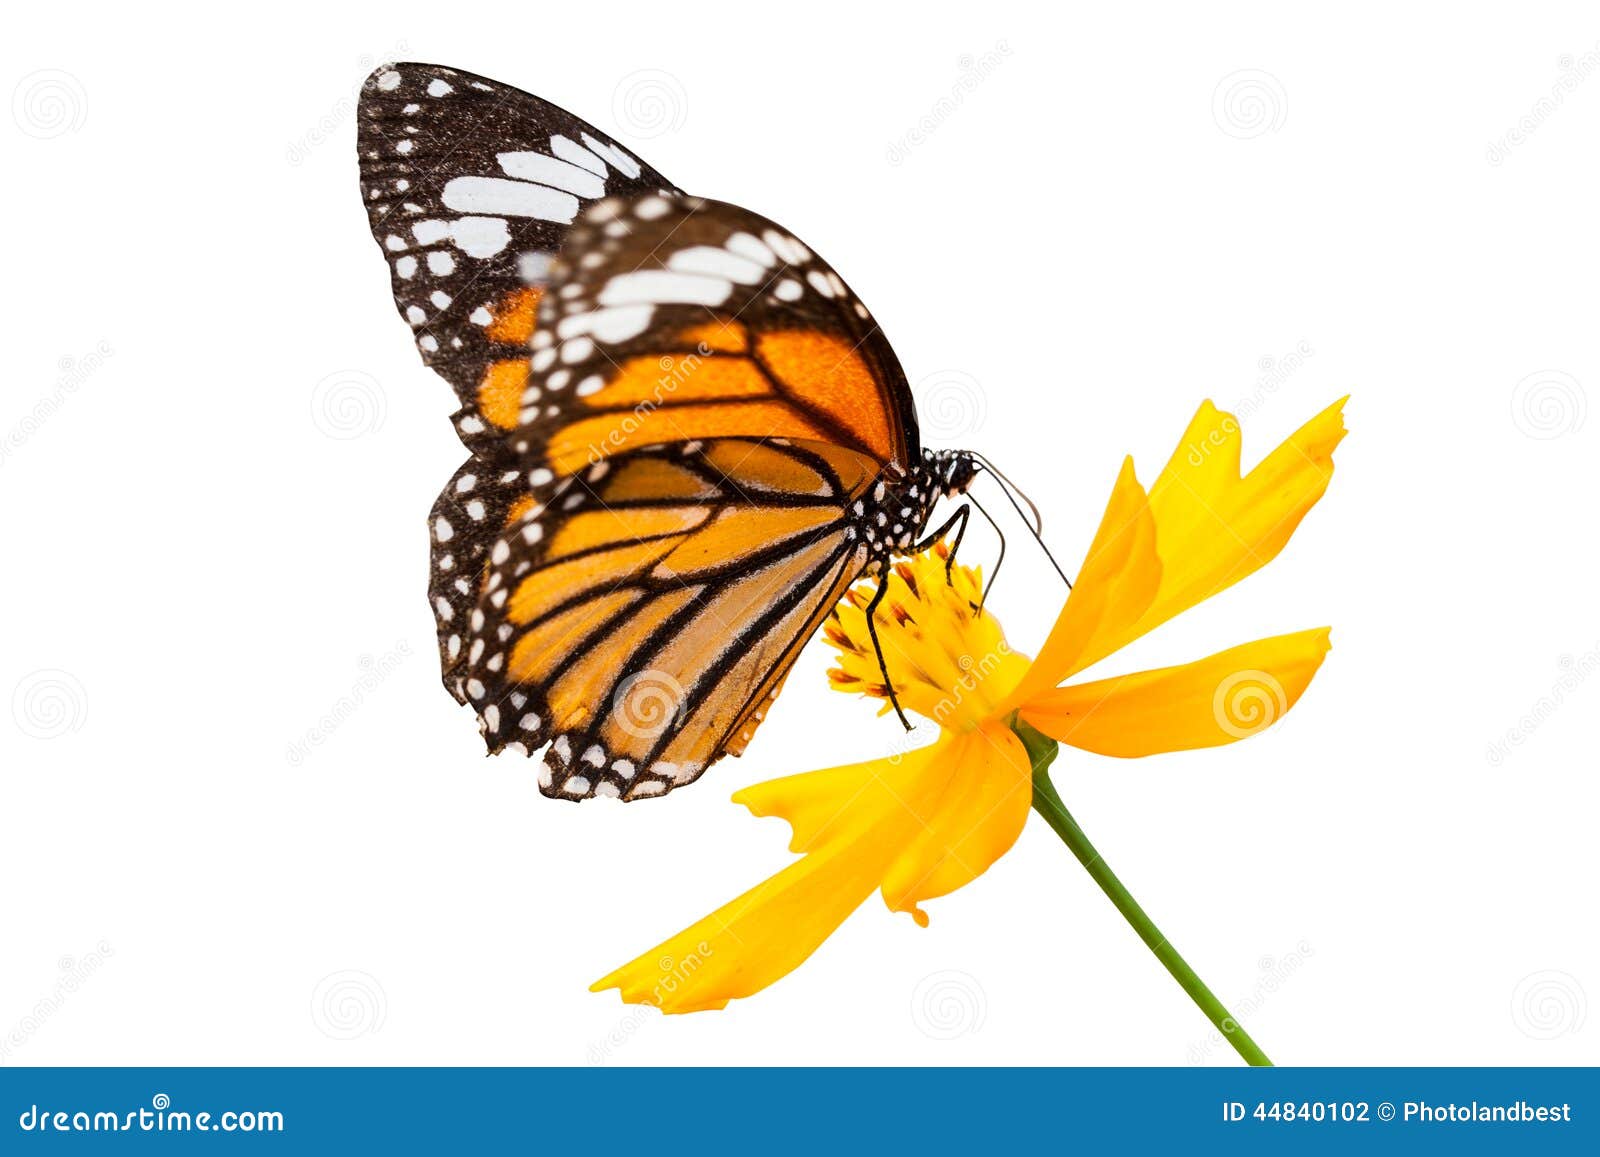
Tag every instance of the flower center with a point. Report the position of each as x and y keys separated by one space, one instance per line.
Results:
x=946 y=661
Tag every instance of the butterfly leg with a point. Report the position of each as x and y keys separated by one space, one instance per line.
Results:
x=959 y=517
x=872 y=630
x=999 y=561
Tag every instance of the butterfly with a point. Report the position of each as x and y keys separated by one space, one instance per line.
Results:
x=687 y=437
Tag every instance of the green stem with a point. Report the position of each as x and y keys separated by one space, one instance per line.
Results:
x=1042 y=751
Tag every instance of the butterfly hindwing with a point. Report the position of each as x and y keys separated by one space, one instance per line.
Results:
x=641 y=619
x=468 y=517
x=470 y=186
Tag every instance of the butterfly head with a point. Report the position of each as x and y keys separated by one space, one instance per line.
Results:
x=951 y=471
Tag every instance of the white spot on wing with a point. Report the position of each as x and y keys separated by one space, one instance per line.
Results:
x=515 y=198
x=550 y=171
x=572 y=151
x=660 y=286
x=616 y=156
x=714 y=262
x=610 y=325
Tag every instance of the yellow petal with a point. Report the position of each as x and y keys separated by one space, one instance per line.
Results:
x=1230 y=695
x=761 y=937
x=1202 y=529
x=1212 y=527
x=852 y=822
x=1117 y=582
x=974 y=822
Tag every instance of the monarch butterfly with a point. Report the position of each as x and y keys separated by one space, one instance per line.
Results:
x=687 y=437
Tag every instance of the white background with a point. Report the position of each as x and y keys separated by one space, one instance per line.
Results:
x=220 y=448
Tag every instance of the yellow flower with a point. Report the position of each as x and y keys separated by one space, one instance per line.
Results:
x=921 y=825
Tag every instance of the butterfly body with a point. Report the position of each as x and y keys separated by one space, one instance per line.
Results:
x=688 y=436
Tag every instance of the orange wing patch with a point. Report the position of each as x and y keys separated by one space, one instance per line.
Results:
x=653 y=478
x=500 y=393
x=765 y=468
x=513 y=320
x=719 y=336
x=681 y=378
x=583 y=686
x=538 y=653
x=797 y=384
x=730 y=536
x=596 y=528
x=550 y=586
x=584 y=441
x=828 y=374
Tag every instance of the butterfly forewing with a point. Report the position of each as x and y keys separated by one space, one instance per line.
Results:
x=470 y=186
x=671 y=318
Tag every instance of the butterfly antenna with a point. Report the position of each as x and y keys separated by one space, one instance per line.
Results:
x=1036 y=526
x=1005 y=481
